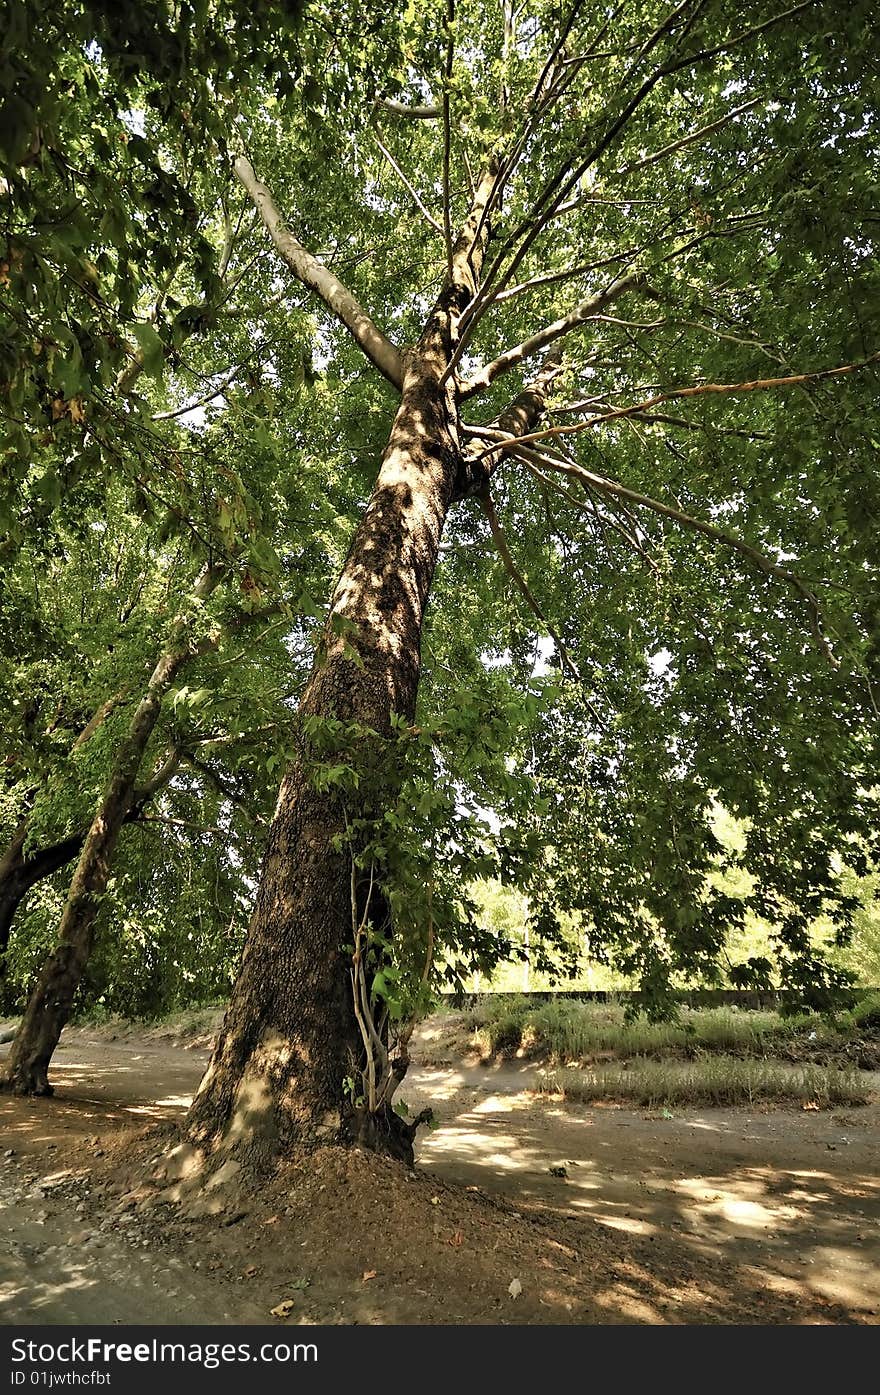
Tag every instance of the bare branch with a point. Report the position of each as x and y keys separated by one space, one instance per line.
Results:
x=221 y=786
x=147 y=819
x=523 y=586
x=687 y=140
x=560 y=184
x=318 y=278
x=709 y=530
x=518 y=417
x=412 y=191
x=161 y=775
x=630 y=535
x=696 y=390
x=557 y=48
x=210 y=396
x=587 y=310
x=549 y=278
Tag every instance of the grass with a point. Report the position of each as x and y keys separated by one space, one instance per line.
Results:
x=714 y=1080
x=179 y=1024
x=568 y=1030
x=186 y=1023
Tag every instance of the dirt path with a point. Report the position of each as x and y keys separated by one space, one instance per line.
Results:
x=785 y=1204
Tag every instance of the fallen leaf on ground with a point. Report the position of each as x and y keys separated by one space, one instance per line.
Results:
x=369 y=1274
x=455 y=1239
x=515 y=1288
x=282 y=1309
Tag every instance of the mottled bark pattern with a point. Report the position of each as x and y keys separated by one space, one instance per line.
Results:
x=290 y=1036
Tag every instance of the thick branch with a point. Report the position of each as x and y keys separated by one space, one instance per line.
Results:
x=544 y=337
x=100 y=716
x=521 y=415
x=415 y=113
x=318 y=278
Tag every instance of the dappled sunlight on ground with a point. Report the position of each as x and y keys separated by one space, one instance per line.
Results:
x=798 y=1230
x=782 y=1205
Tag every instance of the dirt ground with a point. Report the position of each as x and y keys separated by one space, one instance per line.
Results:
x=696 y=1216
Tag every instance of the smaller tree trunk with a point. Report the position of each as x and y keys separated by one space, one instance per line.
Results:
x=19 y=874
x=52 y=998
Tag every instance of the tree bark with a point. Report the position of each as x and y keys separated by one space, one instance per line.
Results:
x=290 y=1037
x=52 y=998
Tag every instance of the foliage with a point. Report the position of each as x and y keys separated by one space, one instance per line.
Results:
x=172 y=397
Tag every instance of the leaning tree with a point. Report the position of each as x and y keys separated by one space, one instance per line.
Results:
x=624 y=264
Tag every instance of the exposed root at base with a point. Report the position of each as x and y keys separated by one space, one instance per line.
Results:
x=36 y=1086
x=386 y=1132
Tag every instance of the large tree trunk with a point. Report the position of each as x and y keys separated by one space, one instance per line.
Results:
x=52 y=998
x=290 y=1037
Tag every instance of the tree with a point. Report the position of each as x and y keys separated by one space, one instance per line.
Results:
x=669 y=191
x=623 y=319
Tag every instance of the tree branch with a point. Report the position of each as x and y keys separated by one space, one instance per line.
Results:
x=561 y=183
x=100 y=716
x=410 y=188
x=210 y=396
x=516 y=575
x=447 y=132
x=518 y=417
x=414 y=113
x=619 y=491
x=686 y=140
x=696 y=390
x=544 y=337
x=318 y=278
x=221 y=786
x=149 y=819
